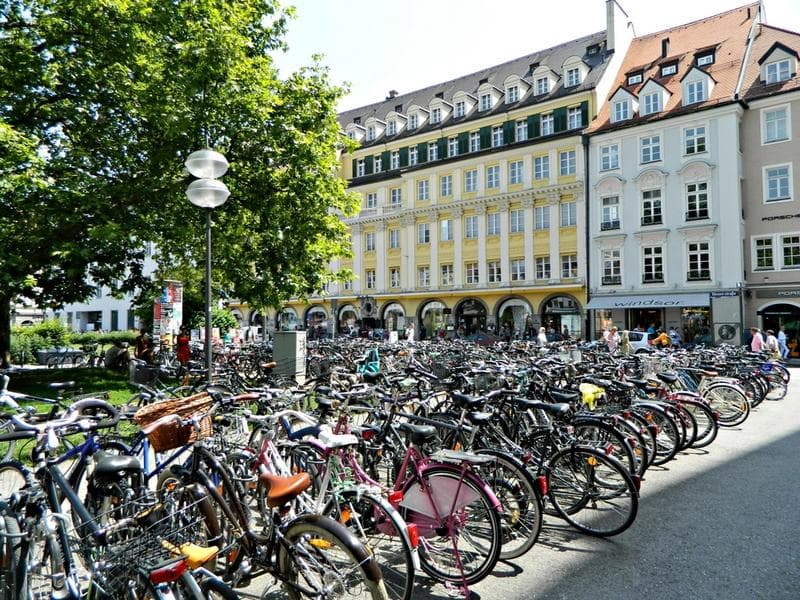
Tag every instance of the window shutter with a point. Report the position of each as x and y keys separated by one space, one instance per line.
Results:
x=486 y=137
x=463 y=142
x=368 y=165
x=508 y=132
x=422 y=152
x=560 y=119
x=403 y=157
x=534 y=127
x=442 y=150
x=355 y=166
x=386 y=165
x=584 y=113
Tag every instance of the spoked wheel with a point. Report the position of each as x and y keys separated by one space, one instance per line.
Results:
x=730 y=402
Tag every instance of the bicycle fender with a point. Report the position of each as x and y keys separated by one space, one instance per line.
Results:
x=471 y=476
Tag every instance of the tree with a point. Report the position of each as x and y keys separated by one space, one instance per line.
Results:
x=103 y=100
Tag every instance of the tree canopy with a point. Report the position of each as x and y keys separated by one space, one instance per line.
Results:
x=101 y=101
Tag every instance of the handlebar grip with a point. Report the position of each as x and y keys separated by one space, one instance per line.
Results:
x=92 y=403
x=17 y=435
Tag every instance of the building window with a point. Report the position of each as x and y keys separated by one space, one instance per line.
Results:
x=542 y=86
x=493 y=223
x=497 y=136
x=423 y=193
x=518 y=269
x=452 y=146
x=445 y=185
x=395 y=159
x=651 y=207
x=775 y=125
x=778 y=71
x=372 y=200
x=650 y=148
x=611 y=261
x=694 y=140
x=634 y=79
x=471 y=270
x=436 y=115
x=493 y=177
x=396 y=196
x=652 y=264
x=541 y=217
x=790 y=245
x=516 y=219
x=515 y=172
x=377 y=161
x=486 y=102
x=764 y=254
x=621 y=111
x=609 y=217
x=348 y=285
x=391 y=127
x=542 y=267
x=569 y=266
x=609 y=157
x=547 y=124
x=369 y=242
x=471 y=180
x=413 y=156
x=446 y=230
x=423 y=277
x=778 y=184
x=370 y=133
x=667 y=70
x=652 y=103
x=512 y=94
x=370 y=279
x=394 y=277
x=447 y=275
x=699 y=262
x=573 y=77
x=433 y=151
x=695 y=92
x=471 y=226
x=574 y=118
x=413 y=122
x=569 y=214
x=423 y=233
x=521 y=130
x=541 y=167
x=566 y=161
x=474 y=141
x=493 y=271
x=461 y=108
x=394 y=238
x=696 y=201
x=705 y=59
x=360 y=169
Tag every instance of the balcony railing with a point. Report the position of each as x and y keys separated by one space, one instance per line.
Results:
x=612 y=280
x=702 y=275
x=609 y=225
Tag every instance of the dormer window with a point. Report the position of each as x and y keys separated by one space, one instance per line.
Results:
x=777 y=71
x=461 y=108
x=512 y=94
x=634 y=79
x=351 y=135
x=668 y=70
x=413 y=121
x=436 y=115
x=370 y=133
x=391 y=127
x=573 y=77
x=486 y=102
x=695 y=92
x=621 y=111
x=651 y=103
x=705 y=59
x=542 y=86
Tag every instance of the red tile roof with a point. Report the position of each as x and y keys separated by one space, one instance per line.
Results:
x=767 y=37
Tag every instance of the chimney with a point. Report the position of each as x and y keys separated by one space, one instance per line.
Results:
x=664 y=48
x=610 y=25
x=392 y=94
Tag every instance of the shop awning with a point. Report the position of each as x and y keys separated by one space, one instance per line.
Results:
x=654 y=301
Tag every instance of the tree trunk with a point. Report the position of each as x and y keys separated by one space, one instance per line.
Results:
x=5 y=332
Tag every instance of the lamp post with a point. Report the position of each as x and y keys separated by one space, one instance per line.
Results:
x=208 y=193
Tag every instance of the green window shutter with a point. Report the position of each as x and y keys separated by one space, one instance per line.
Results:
x=560 y=119
x=463 y=142
x=508 y=132
x=403 y=157
x=386 y=164
x=534 y=128
x=368 y=165
x=442 y=143
x=585 y=113
x=355 y=166
x=422 y=152
x=486 y=137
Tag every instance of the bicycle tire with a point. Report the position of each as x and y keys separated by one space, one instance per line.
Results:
x=476 y=562
x=730 y=402
x=13 y=574
x=13 y=477
x=707 y=427
x=43 y=557
x=667 y=436
x=592 y=491
x=213 y=589
x=7 y=447
x=316 y=552
x=598 y=433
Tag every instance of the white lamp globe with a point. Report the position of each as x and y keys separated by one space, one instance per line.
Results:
x=206 y=164
x=207 y=193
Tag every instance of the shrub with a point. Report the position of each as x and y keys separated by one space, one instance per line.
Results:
x=24 y=344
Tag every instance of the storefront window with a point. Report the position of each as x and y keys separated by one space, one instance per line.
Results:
x=602 y=321
x=434 y=320
x=695 y=325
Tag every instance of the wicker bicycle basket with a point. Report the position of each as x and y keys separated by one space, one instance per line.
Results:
x=174 y=435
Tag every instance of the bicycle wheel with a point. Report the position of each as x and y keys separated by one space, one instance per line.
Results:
x=460 y=536
x=43 y=558
x=707 y=427
x=593 y=492
x=7 y=447
x=730 y=402
x=605 y=436
x=319 y=557
x=216 y=589
x=667 y=434
x=13 y=574
x=12 y=477
x=381 y=528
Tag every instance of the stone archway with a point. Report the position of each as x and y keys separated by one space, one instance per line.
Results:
x=514 y=318
x=561 y=316
x=470 y=316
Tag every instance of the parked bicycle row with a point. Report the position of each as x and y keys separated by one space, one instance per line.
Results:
x=393 y=463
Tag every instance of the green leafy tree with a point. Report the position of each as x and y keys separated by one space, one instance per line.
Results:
x=101 y=101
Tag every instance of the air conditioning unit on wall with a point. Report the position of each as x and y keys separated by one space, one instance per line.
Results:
x=368 y=306
x=727 y=333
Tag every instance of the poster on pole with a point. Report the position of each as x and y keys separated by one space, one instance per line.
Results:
x=168 y=310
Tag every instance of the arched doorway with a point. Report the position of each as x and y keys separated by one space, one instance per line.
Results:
x=561 y=316
x=286 y=320
x=316 y=322
x=515 y=319
x=346 y=321
x=470 y=317
x=433 y=319
x=775 y=316
x=393 y=317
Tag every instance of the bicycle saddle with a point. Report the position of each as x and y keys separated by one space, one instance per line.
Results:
x=420 y=434
x=282 y=490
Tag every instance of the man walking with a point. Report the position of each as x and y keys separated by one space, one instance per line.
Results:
x=784 y=349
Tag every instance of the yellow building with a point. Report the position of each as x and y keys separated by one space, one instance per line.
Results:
x=473 y=212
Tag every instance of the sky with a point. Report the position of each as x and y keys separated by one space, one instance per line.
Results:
x=379 y=45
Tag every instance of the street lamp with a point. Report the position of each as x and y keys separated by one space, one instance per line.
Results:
x=208 y=193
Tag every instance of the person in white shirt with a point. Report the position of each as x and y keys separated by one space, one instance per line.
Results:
x=613 y=340
x=771 y=344
x=782 y=343
x=410 y=332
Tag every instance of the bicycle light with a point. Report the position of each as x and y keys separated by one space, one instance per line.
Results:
x=169 y=572
x=395 y=497
x=413 y=534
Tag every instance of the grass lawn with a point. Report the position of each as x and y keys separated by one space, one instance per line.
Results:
x=36 y=381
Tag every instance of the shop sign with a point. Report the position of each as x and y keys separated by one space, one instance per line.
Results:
x=781 y=217
x=725 y=294
x=777 y=293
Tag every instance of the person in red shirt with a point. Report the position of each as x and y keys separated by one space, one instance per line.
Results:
x=182 y=350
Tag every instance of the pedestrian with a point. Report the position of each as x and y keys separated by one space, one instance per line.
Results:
x=757 y=342
x=772 y=346
x=625 y=347
x=565 y=333
x=182 y=349
x=661 y=339
x=782 y=342
x=613 y=339
x=410 y=332
x=142 y=341
x=675 y=337
x=541 y=339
